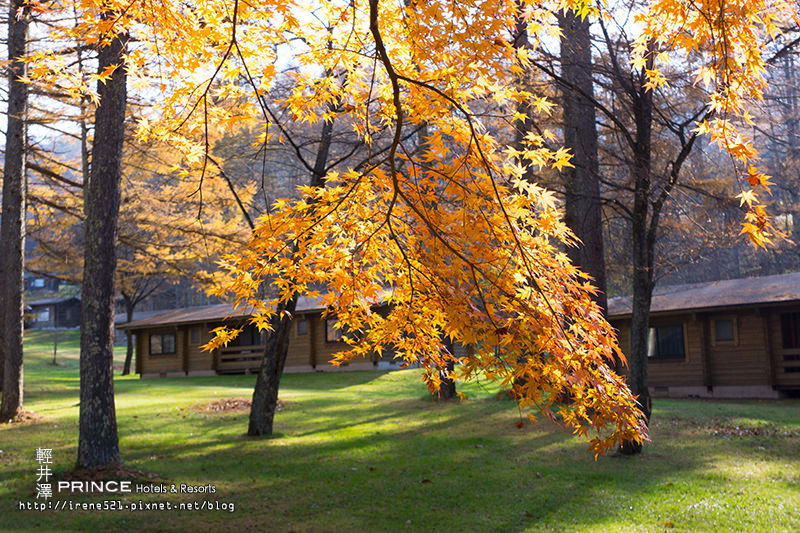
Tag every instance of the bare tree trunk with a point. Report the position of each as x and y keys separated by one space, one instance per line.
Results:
x=12 y=228
x=583 y=207
x=637 y=359
x=2 y=327
x=447 y=385
x=643 y=250
x=55 y=346
x=129 y=308
x=133 y=291
x=98 y=443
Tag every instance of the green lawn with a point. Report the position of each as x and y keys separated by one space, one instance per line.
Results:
x=368 y=451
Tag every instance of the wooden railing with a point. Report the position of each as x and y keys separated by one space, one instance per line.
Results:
x=239 y=359
x=791 y=358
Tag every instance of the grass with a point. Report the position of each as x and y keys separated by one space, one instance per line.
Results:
x=368 y=451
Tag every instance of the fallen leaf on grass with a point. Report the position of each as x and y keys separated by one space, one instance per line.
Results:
x=26 y=417
x=228 y=405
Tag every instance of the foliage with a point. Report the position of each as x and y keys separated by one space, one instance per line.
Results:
x=730 y=37
x=453 y=239
x=451 y=235
x=170 y=225
x=167 y=227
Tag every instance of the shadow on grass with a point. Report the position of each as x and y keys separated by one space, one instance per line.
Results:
x=351 y=456
x=431 y=473
x=428 y=476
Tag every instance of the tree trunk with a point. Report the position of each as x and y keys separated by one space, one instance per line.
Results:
x=129 y=308
x=637 y=358
x=55 y=346
x=447 y=385
x=643 y=250
x=265 y=393
x=525 y=125
x=583 y=207
x=12 y=228
x=98 y=443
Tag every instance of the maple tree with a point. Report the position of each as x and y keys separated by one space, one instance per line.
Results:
x=453 y=238
x=415 y=241
x=462 y=168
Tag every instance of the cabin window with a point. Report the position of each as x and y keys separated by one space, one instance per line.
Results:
x=162 y=343
x=43 y=315
x=194 y=336
x=724 y=330
x=302 y=327
x=250 y=336
x=666 y=342
x=38 y=283
x=790 y=330
x=332 y=333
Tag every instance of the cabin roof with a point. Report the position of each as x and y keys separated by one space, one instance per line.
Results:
x=52 y=301
x=716 y=294
x=207 y=313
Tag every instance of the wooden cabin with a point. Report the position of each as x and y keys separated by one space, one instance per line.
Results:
x=725 y=339
x=54 y=313
x=168 y=344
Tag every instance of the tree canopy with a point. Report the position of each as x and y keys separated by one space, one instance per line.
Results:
x=451 y=235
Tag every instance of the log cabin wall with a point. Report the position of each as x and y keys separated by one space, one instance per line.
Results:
x=170 y=359
x=309 y=348
x=323 y=349
x=739 y=364
x=672 y=376
x=746 y=332
x=679 y=375
x=784 y=337
x=300 y=357
x=199 y=362
x=743 y=361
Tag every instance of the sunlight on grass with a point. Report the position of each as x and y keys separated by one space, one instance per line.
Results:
x=370 y=451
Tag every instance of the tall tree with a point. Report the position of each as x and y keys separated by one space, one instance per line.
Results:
x=12 y=230
x=98 y=443
x=582 y=201
x=648 y=190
